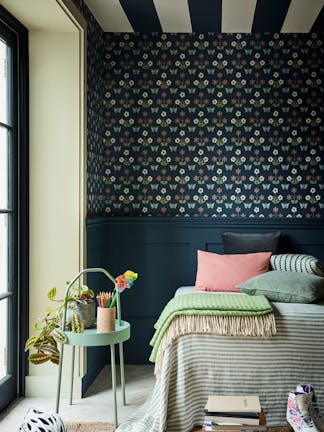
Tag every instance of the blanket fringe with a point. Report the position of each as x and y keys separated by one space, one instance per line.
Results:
x=257 y=325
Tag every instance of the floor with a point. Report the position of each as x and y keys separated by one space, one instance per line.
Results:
x=97 y=405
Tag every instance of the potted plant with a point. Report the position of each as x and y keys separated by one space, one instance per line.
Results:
x=81 y=302
x=81 y=314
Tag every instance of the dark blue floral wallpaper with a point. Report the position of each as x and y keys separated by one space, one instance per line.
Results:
x=212 y=125
x=95 y=112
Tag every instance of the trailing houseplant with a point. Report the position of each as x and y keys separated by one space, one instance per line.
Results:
x=44 y=346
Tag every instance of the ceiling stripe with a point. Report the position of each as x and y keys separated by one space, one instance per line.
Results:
x=173 y=15
x=142 y=15
x=237 y=17
x=318 y=26
x=202 y=16
x=112 y=18
x=301 y=15
x=270 y=15
x=206 y=15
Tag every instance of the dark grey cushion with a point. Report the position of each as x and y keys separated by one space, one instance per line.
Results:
x=286 y=287
x=236 y=243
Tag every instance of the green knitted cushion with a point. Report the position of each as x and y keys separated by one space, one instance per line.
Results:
x=287 y=287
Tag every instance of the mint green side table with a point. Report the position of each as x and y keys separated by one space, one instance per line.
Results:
x=90 y=337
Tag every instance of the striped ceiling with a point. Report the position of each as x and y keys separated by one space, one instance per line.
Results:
x=227 y=16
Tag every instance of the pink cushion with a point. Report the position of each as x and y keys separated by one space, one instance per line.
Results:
x=223 y=272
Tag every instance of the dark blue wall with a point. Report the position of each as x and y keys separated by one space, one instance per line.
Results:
x=164 y=253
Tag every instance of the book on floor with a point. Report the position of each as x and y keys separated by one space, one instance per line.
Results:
x=233 y=404
x=209 y=426
x=232 y=420
x=233 y=410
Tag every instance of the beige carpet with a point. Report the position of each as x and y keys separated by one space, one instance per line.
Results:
x=90 y=427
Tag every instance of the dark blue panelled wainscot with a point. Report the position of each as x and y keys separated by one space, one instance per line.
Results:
x=163 y=251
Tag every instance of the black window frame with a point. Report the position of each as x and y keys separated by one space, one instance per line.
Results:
x=13 y=30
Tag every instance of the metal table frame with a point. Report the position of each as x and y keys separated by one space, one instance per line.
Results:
x=90 y=337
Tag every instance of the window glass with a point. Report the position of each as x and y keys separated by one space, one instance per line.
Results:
x=3 y=337
x=3 y=167
x=3 y=255
x=4 y=85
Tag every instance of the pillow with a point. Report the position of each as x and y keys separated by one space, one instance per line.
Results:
x=223 y=272
x=237 y=243
x=297 y=263
x=287 y=287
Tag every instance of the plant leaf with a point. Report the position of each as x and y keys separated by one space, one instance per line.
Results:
x=50 y=349
x=30 y=343
x=77 y=324
x=89 y=292
x=59 y=335
x=48 y=312
x=39 y=357
x=51 y=294
x=55 y=359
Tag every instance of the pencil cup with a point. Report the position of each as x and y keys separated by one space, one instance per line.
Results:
x=106 y=319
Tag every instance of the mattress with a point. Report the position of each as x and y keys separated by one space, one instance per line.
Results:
x=197 y=365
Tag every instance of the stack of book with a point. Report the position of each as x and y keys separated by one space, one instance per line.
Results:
x=234 y=413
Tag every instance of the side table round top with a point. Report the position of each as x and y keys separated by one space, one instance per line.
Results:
x=90 y=337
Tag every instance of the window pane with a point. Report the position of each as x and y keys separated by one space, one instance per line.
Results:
x=3 y=337
x=3 y=168
x=4 y=82
x=3 y=254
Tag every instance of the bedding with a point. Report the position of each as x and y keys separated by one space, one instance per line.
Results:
x=197 y=365
x=300 y=263
x=207 y=313
x=288 y=287
x=239 y=243
x=217 y=272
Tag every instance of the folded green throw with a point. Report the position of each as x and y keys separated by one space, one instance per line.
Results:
x=224 y=306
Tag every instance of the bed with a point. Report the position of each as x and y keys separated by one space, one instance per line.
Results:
x=196 y=365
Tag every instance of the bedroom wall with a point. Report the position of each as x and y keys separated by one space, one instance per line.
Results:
x=213 y=125
x=95 y=112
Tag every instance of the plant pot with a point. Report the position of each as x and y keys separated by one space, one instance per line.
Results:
x=86 y=311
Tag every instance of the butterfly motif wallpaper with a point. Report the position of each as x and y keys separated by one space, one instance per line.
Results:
x=95 y=112
x=211 y=125
x=214 y=125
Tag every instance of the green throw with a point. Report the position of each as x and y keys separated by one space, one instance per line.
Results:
x=208 y=304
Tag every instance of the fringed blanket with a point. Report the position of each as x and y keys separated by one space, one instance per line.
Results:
x=230 y=315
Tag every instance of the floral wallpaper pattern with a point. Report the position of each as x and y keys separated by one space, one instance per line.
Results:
x=95 y=112
x=213 y=125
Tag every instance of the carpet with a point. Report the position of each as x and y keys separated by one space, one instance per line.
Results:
x=90 y=427
x=109 y=427
x=269 y=429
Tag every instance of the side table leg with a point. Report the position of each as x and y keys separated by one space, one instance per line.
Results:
x=122 y=370
x=113 y=380
x=58 y=391
x=72 y=374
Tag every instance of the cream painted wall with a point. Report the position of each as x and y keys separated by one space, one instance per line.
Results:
x=56 y=193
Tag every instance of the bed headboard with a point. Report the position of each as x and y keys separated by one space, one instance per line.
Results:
x=163 y=252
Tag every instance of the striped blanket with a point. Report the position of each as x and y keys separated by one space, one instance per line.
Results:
x=197 y=365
